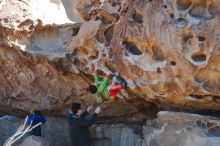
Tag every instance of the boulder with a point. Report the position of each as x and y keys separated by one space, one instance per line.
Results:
x=167 y=51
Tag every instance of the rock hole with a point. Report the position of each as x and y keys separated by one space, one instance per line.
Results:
x=126 y=54
x=216 y=97
x=181 y=22
x=103 y=55
x=61 y=65
x=196 y=96
x=105 y=20
x=5 y=20
x=84 y=51
x=180 y=19
x=201 y=124
x=158 y=70
x=116 y=16
x=215 y=100
x=93 y=57
x=137 y=17
x=93 y=12
x=161 y=93
x=172 y=15
x=165 y=6
x=75 y=31
x=80 y=50
x=183 y=4
x=199 y=58
x=173 y=63
x=81 y=62
x=95 y=2
x=69 y=57
x=111 y=67
x=187 y=40
x=198 y=79
x=150 y=0
x=109 y=34
x=114 y=4
x=132 y=48
x=189 y=128
x=158 y=54
x=119 y=9
x=100 y=36
x=87 y=17
x=25 y=23
x=210 y=124
x=201 y=38
x=125 y=9
x=31 y=27
x=96 y=18
x=197 y=11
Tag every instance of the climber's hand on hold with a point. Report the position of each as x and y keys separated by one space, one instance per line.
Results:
x=107 y=73
x=89 y=109
x=93 y=68
x=97 y=110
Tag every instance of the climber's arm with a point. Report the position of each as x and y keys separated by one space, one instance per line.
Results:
x=97 y=78
x=42 y=119
x=102 y=87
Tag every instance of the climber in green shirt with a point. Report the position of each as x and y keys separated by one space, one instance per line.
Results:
x=104 y=87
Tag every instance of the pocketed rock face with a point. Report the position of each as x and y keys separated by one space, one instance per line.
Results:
x=173 y=46
x=167 y=51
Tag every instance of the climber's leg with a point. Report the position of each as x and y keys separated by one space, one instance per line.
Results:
x=113 y=90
